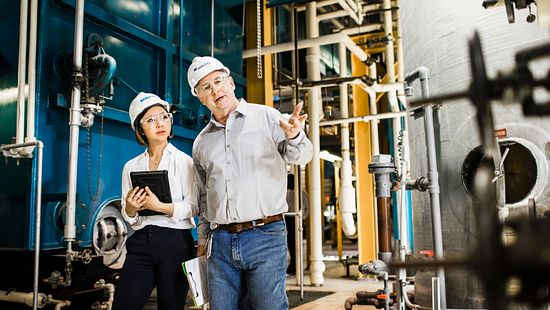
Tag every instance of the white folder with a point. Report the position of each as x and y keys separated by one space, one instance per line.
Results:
x=195 y=271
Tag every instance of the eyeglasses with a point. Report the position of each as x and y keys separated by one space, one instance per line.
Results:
x=151 y=121
x=208 y=88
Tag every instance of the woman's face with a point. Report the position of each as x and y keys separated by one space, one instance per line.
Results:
x=156 y=124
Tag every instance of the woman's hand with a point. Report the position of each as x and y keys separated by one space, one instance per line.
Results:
x=135 y=199
x=153 y=203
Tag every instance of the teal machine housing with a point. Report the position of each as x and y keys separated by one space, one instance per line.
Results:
x=153 y=43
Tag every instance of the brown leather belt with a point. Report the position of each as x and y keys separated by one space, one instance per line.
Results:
x=236 y=228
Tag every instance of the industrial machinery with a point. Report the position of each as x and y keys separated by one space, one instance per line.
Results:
x=511 y=249
x=511 y=5
x=61 y=233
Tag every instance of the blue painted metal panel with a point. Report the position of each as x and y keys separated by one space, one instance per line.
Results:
x=147 y=52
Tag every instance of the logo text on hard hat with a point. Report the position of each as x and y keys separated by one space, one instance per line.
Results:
x=145 y=98
x=201 y=66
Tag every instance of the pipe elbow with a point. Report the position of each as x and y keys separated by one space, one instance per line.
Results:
x=348 y=225
x=350 y=302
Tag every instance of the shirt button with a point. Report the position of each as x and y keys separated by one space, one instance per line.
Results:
x=234 y=218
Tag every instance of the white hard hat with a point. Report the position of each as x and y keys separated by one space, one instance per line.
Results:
x=201 y=67
x=142 y=102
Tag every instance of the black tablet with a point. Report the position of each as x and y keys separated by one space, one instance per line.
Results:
x=158 y=183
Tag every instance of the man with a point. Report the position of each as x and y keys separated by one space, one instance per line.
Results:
x=240 y=158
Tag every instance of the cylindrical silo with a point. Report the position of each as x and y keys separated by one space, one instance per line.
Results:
x=436 y=35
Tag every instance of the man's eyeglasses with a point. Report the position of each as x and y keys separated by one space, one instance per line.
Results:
x=151 y=121
x=208 y=88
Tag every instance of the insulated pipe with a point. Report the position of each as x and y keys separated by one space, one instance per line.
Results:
x=373 y=107
x=366 y=118
x=31 y=100
x=37 y=214
x=313 y=60
x=311 y=42
x=23 y=298
x=422 y=73
x=74 y=125
x=347 y=192
x=400 y=57
x=362 y=29
x=319 y=4
x=21 y=71
x=331 y=15
x=346 y=7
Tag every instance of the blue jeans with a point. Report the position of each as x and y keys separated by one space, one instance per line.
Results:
x=249 y=265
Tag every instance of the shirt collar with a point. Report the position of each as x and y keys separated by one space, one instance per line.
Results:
x=242 y=108
x=169 y=149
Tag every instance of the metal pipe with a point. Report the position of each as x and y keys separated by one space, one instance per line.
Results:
x=180 y=55
x=38 y=203
x=109 y=288
x=423 y=73
x=21 y=70
x=331 y=15
x=362 y=29
x=366 y=118
x=62 y=305
x=347 y=191
x=346 y=7
x=212 y=28
x=74 y=125
x=310 y=42
x=31 y=100
x=384 y=239
x=313 y=60
x=373 y=109
x=23 y=298
x=381 y=167
x=403 y=214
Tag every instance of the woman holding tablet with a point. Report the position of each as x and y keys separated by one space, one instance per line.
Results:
x=162 y=239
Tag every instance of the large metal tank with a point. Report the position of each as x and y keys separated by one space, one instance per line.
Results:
x=435 y=35
x=144 y=39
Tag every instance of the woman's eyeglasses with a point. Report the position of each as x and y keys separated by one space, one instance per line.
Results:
x=151 y=121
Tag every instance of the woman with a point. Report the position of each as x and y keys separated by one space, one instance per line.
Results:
x=160 y=242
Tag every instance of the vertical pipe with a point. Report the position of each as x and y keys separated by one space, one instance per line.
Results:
x=31 y=101
x=373 y=109
x=381 y=167
x=313 y=59
x=180 y=56
x=390 y=71
x=433 y=177
x=21 y=72
x=37 y=218
x=347 y=192
x=74 y=123
x=212 y=29
x=339 y=238
x=384 y=242
x=297 y=240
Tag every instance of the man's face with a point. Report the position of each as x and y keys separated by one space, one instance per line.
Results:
x=216 y=92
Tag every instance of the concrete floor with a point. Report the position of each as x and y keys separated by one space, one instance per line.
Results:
x=335 y=281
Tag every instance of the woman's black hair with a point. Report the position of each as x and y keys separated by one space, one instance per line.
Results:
x=140 y=135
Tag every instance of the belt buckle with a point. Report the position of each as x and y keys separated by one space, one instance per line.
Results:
x=256 y=224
